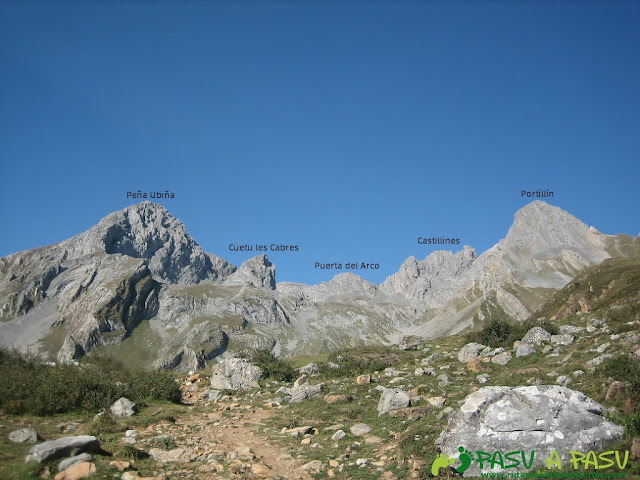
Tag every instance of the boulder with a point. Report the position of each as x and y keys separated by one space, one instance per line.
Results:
x=303 y=390
x=524 y=350
x=77 y=471
x=339 y=435
x=393 y=399
x=309 y=369
x=501 y=358
x=536 y=336
x=235 y=374
x=23 y=435
x=63 y=447
x=532 y=418
x=470 y=351
x=564 y=339
x=71 y=461
x=123 y=407
x=360 y=429
x=411 y=342
x=570 y=329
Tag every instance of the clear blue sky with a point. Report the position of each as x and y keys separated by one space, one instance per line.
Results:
x=347 y=128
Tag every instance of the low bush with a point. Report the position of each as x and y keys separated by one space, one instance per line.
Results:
x=623 y=368
x=272 y=366
x=502 y=333
x=358 y=361
x=29 y=387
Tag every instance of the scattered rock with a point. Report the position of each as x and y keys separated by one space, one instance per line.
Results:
x=77 y=471
x=475 y=364
x=211 y=395
x=168 y=456
x=360 y=429
x=613 y=391
x=314 y=466
x=339 y=435
x=564 y=329
x=363 y=379
x=443 y=380
x=393 y=399
x=411 y=342
x=603 y=347
x=470 y=351
x=563 y=380
x=235 y=374
x=436 y=401
x=564 y=339
x=536 y=336
x=501 y=358
x=309 y=369
x=23 y=435
x=120 y=465
x=303 y=390
x=62 y=447
x=483 y=378
x=296 y=431
x=525 y=349
x=123 y=407
x=71 y=461
x=598 y=360
x=541 y=418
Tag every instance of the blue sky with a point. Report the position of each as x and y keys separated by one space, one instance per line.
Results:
x=347 y=128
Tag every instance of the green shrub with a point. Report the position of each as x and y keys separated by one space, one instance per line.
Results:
x=129 y=452
x=358 y=361
x=105 y=424
x=32 y=388
x=623 y=368
x=163 y=441
x=502 y=333
x=272 y=366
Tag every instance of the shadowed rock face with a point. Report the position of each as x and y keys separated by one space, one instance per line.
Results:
x=542 y=418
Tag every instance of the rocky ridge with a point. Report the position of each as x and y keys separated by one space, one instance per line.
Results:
x=137 y=281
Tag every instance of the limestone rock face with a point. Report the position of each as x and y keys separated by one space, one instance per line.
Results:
x=147 y=230
x=531 y=418
x=416 y=279
x=235 y=374
x=257 y=271
x=138 y=281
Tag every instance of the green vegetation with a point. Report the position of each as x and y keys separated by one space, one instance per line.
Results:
x=35 y=389
x=502 y=333
x=625 y=369
x=272 y=366
x=358 y=361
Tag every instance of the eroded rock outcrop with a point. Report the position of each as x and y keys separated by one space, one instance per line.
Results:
x=541 y=418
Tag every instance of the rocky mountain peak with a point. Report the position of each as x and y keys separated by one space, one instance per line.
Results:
x=540 y=229
x=257 y=271
x=147 y=230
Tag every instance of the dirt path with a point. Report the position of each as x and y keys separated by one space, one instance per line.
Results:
x=232 y=439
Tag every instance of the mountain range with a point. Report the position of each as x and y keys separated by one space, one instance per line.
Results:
x=138 y=286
